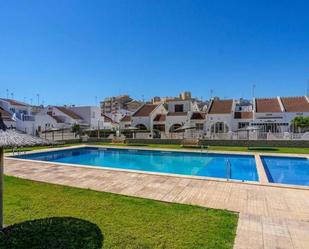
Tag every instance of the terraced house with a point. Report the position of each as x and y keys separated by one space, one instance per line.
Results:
x=223 y=119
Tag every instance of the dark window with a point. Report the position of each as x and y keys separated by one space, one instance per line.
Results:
x=243 y=125
x=178 y=108
x=199 y=126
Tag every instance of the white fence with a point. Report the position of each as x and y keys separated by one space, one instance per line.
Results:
x=59 y=136
x=238 y=135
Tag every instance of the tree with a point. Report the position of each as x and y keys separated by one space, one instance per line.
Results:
x=301 y=124
x=76 y=129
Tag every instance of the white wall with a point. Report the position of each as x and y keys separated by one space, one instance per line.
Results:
x=66 y=118
x=148 y=120
x=124 y=124
x=90 y=114
x=171 y=120
x=141 y=120
x=10 y=124
x=188 y=105
x=46 y=122
x=214 y=118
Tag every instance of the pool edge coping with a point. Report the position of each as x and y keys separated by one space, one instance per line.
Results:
x=263 y=179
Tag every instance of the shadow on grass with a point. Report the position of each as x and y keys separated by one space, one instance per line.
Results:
x=52 y=233
x=263 y=148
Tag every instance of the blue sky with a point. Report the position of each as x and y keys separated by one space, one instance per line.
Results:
x=71 y=51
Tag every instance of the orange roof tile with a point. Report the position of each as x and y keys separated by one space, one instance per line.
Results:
x=221 y=106
x=145 y=110
x=126 y=118
x=198 y=116
x=295 y=104
x=160 y=118
x=69 y=112
x=267 y=105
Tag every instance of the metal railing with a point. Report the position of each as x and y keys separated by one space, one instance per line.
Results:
x=228 y=169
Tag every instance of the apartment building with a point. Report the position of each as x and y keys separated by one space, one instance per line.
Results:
x=114 y=104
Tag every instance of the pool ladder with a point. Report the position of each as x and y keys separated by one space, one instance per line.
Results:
x=228 y=169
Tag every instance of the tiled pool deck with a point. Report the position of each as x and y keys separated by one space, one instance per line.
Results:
x=270 y=216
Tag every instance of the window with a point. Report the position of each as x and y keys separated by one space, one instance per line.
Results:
x=160 y=127
x=243 y=125
x=199 y=126
x=219 y=127
x=178 y=108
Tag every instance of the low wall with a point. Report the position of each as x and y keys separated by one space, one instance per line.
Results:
x=153 y=141
x=236 y=143
x=91 y=139
x=257 y=143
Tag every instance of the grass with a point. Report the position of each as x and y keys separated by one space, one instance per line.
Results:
x=221 y=148
x=125 y=222
x=40 y=147
x=291 y=150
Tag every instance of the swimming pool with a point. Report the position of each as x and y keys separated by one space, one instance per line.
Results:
x=287 y=170
x=242 y=167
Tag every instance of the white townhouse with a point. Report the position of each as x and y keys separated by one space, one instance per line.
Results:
x=243 y=115
x=182 y=106
x=275 y=114
x=7 y=119
x=197 y=120
x=269 y=115
x=66 y=115
x=90 y=115
x=144 y=116
x=219 y=116
x=109 y=124
x=22 y=114
x=179 y=114
x=45 y=121
x=266 y=115
x=125 y=122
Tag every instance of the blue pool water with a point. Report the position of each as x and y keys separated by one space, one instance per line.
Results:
x=287 y=170
x=184 y=163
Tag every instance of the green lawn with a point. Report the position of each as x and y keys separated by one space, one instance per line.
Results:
x=222 y=148
x=125 y=222
x=291 y=150
x=40 y=147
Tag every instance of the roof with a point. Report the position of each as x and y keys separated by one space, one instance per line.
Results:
x=14 y=102
x=56 y=118
x=221 y=106
x=267 y=105
x=126 y=118
x=295 y=104
x=145 y=110
x=69 y=112
x=177 y=114
x=10 y=138
x=160 y=118
x=243 y=115
x=197 y=116
x=6 y=116
x=107 y=119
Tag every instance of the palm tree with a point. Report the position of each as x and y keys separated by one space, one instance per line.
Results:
x=301 y=123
